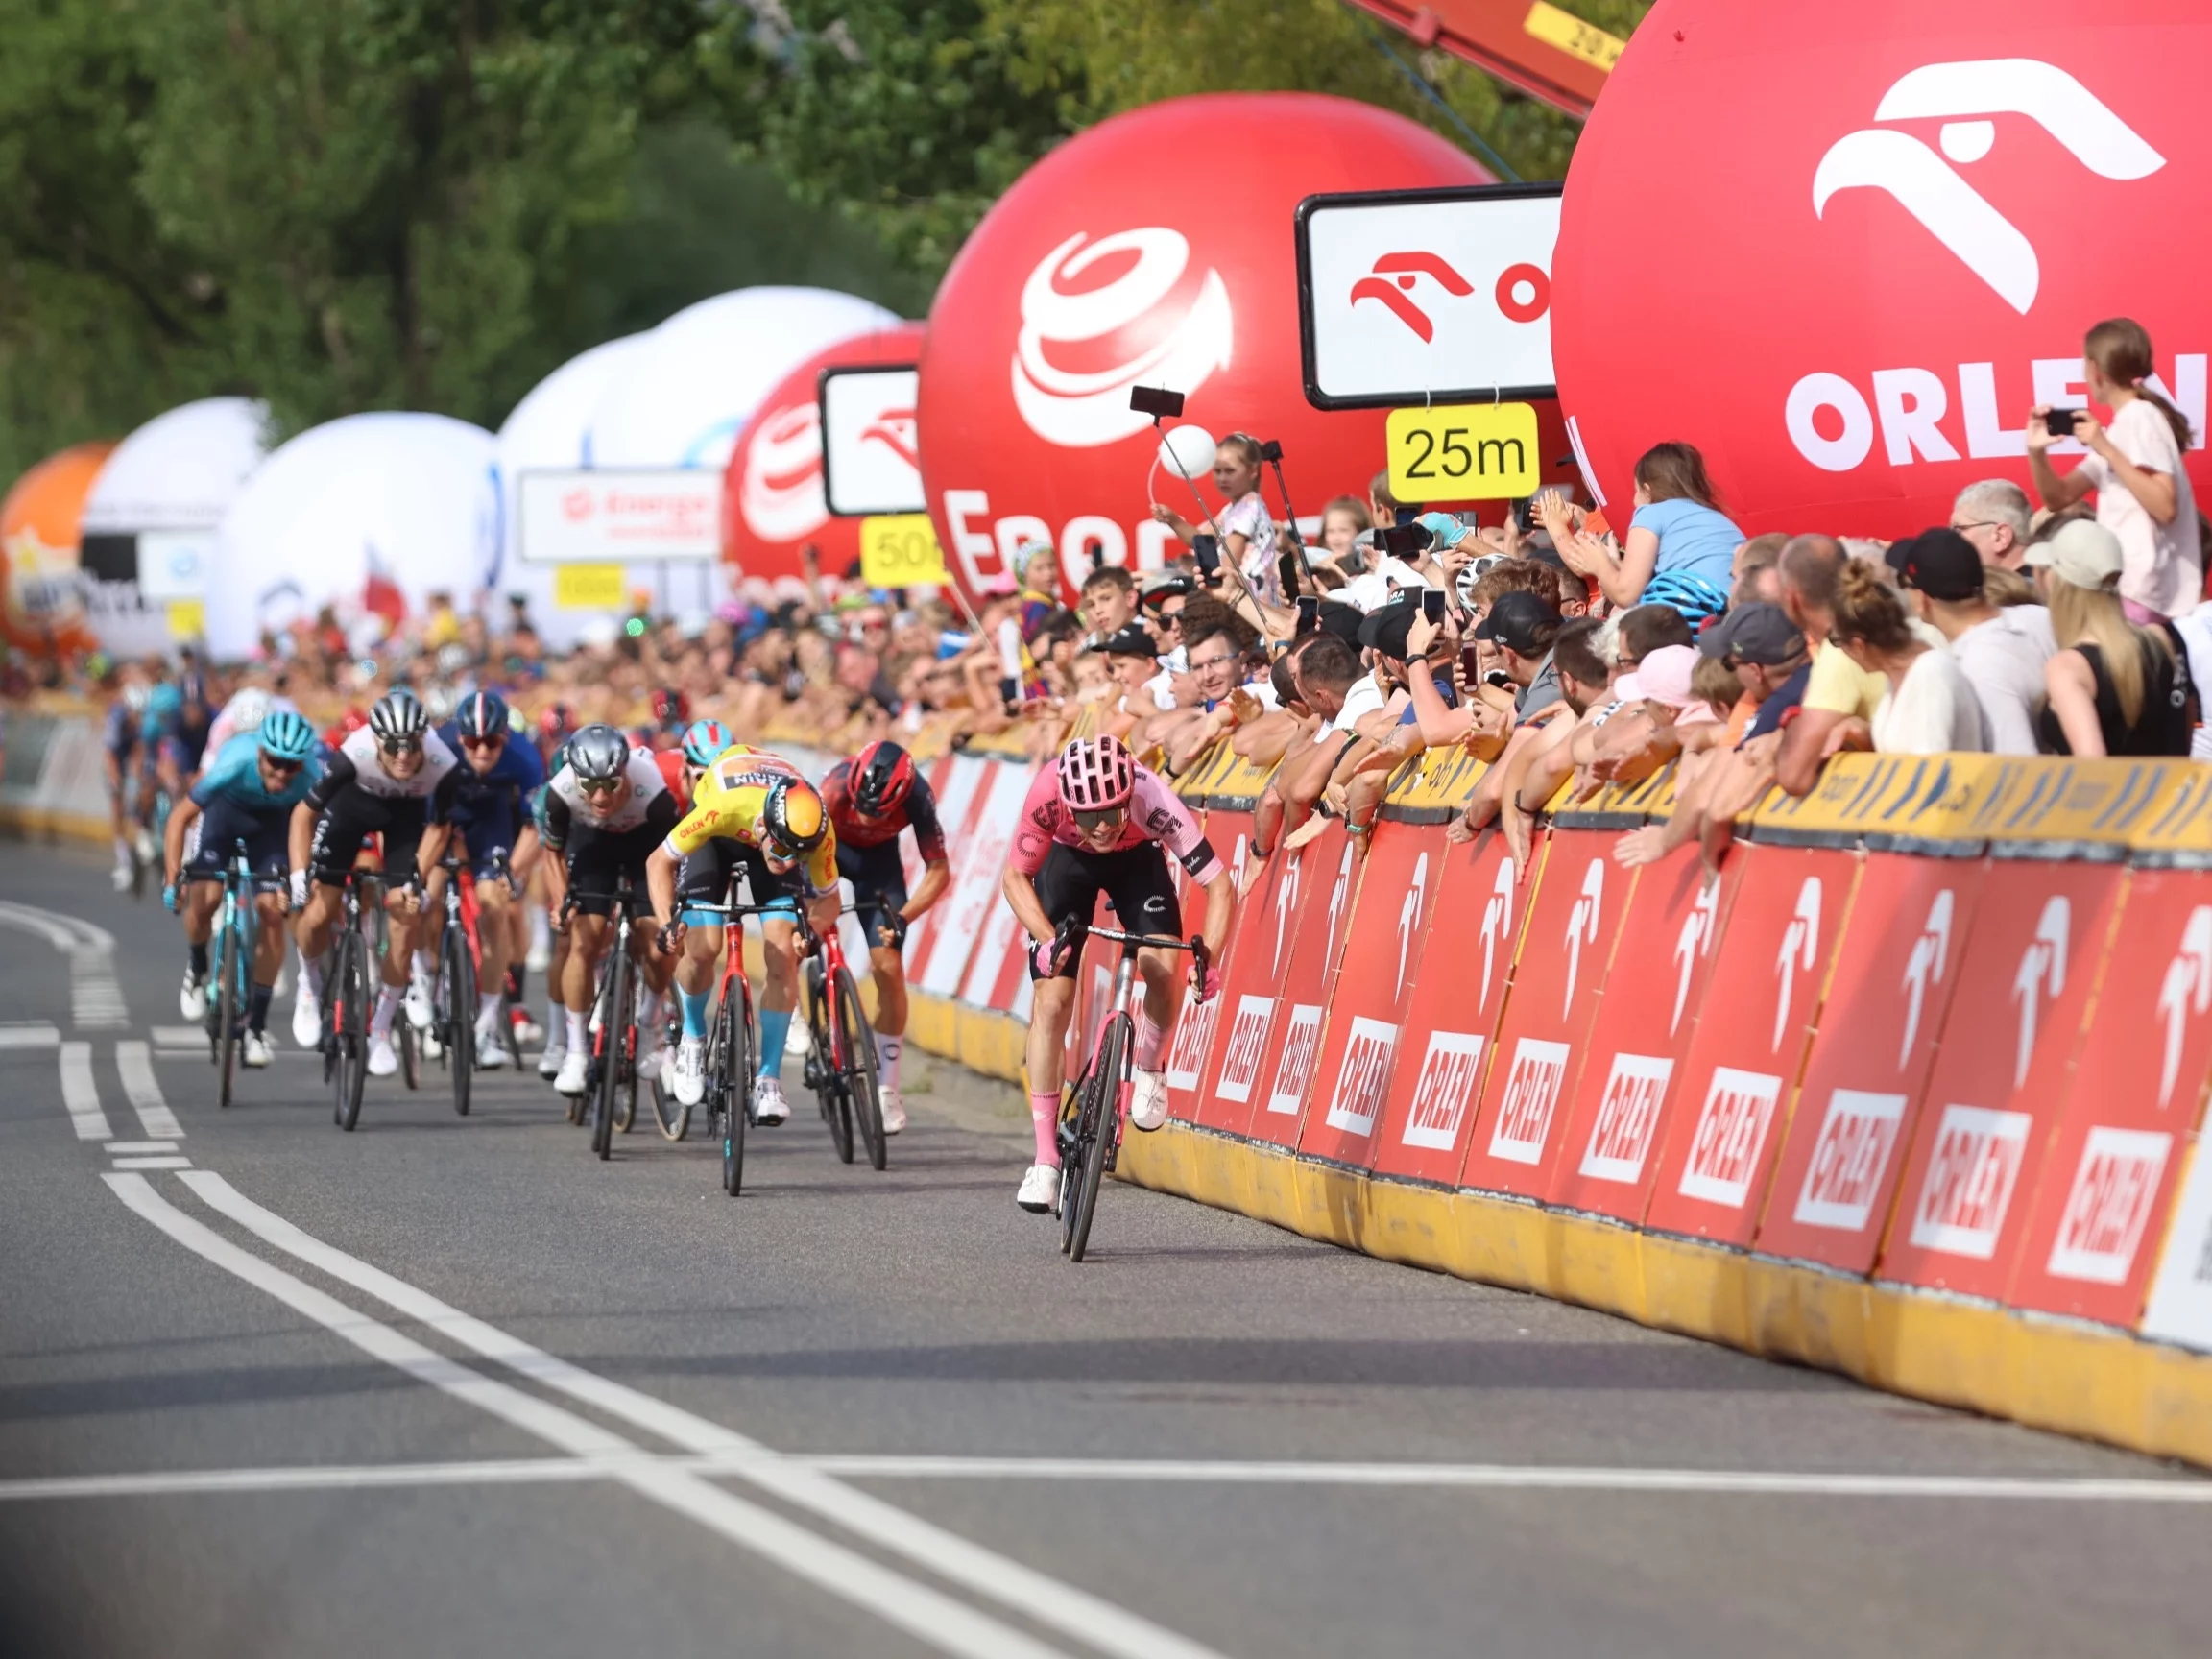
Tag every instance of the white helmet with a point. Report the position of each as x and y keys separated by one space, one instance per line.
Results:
x=249 y=709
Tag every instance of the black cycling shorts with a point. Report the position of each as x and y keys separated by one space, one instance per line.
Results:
x=1134 y=881
x=598 y=858
x=352 y=815
x=223 y=824
x=878 y=878
x=705 y=880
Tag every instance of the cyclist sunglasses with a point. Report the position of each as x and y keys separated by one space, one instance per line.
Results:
x=598 y=785
x=399 y=746
x=491 y=740
x=283 y=768
x=771 y=847
x=1106 y=816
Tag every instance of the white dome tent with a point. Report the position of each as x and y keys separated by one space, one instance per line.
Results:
x=151 y=519
x=550 y=430
x=357 y=513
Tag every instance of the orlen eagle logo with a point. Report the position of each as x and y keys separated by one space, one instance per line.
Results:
x=780 y=493
x=1523 y=291
x=1100 y=317
x=895 y=429
x=1937 y=195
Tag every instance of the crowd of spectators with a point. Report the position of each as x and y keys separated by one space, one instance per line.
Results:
x=1552 y=644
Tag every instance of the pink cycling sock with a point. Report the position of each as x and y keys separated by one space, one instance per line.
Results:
x=1044 y=1118
x=1151 y=1042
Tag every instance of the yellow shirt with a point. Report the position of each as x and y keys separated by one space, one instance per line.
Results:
x=1838 y=686
x=726 y=805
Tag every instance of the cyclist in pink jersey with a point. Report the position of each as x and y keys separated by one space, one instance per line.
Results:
x=1095 y=822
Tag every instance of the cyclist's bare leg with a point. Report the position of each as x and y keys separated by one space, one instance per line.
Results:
x=268 y=938
x=1157 y=969
x=313 y=927
x=196 y=908
x=495 y=934
x=889 y=967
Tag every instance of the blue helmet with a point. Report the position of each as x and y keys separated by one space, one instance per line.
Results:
x=287 y=736
x=164 y=702
x=1698 y=600
x=481 y=715
x=705 y=739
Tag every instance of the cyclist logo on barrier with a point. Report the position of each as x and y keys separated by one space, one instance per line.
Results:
x=1408 y=919
x=1800 y=949
x=2043 y=961
x=1583 y=928
x=2187 y=990
x=1924 y=969
x=1497 y=922
x=1695 y=941
x=1933 y=192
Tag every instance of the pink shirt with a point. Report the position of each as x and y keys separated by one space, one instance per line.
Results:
x=1156 y=813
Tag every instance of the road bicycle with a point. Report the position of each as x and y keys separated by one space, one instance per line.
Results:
x=733 y=1037
x=454 y=996
x=611 y=1075
x=345 y=999
x=841 y=1064
x=231 y=963
x=1091 y=1129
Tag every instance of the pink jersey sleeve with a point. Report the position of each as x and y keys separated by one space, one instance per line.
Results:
x=1042 y=821
x=1159 y=812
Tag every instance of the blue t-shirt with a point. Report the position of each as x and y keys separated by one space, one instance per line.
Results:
x=235 y=777
x=1412 y=716
x=496 y=799
x=1694 y=540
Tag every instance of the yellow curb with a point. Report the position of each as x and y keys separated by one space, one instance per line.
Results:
x=45 y=824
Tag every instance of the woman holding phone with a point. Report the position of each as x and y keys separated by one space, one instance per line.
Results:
x=1246 y=529
x=2134 y=465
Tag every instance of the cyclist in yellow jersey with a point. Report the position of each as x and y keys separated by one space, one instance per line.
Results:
x=752 y=811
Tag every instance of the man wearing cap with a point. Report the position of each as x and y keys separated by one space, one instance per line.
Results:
x=1770 y=658
x=1131 y=661
x=1522 y=628
x=2001 y=651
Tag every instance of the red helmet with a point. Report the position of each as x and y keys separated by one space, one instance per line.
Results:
x=883 y=778
x=671 y=708
x=556 y=721
x=1096 y=775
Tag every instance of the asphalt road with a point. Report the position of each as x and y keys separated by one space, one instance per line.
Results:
x=450 y=1386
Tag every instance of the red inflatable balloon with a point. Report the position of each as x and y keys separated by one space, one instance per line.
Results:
x=1845 y=256
x=772 y=501
x=1156 y=250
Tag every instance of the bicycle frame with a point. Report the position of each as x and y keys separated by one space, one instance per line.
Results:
x=231 y=970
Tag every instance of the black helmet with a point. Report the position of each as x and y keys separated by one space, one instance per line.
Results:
x=398 y=717
x=598 y=754
x=883 y=778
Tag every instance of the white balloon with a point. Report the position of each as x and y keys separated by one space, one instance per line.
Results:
x=1186 y=452
x=412 y=499
x=683 y=397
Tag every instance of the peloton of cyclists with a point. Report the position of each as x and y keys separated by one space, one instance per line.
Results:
x=247 y=793
x=605 y=810
x=395 y=778
x=1095 y=822
x=871 y=798
x=750 y=810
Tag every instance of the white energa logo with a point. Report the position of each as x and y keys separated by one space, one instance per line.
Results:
x=782 y=492
x=1952 y=211
x=1084 y=408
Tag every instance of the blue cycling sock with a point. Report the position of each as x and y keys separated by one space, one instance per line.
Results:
x=197 y=954
x=694 y=1010
x=774 y=1032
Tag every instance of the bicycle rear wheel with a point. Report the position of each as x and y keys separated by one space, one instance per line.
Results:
x=1095 y=1126
x=347 y=1019
x=730 y=1076
x=408 y=1042
x=857 y=1066
x=230 y=999
x=460 y=977
x=606 y=1070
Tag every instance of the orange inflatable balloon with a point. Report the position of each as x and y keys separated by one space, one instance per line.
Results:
x=40 y=606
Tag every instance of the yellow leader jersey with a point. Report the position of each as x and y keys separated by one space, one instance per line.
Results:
x=726 y=805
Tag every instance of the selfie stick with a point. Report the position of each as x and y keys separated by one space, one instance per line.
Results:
x=1169 y=449
x=1273 y=451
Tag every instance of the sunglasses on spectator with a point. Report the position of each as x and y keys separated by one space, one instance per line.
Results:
x=598 y=785
x=1105 y=818
x=395 y=747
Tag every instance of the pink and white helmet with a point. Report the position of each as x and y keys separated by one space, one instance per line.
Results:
x=1096 y=775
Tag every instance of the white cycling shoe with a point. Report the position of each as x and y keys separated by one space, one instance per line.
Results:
x=1148 y=1101
x=570 y=1081
x=192 y=998
x=254 y=1054
x=556 y=1051
x=491 y=1047
x=307 y=1020
x=893 y=1112
x=1038 y=1188
x=383 y=1058
x=769 y=1106
x=688 y=1083
x=417 y=1003
x=122 y=876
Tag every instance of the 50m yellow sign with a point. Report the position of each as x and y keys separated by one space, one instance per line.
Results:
x=1471 y=452
x=900 y=550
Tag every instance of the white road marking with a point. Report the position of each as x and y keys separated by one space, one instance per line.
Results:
x=1040 y=1597
x=925 y=1613
x=80 y=1095
x=28 y=1036
x=117 y=1149
x=136 y=1062
x=95 y=998
x=150 y=1164
x=193 y=1037
x=562 y=1471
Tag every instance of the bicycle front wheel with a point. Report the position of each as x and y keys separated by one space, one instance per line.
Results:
x=346 y=1016
x=607 y=1076
x=857 y=1065
x=460 y=977
x=1096 y=1124
x=730 y=1076
x=823 y=1067
x=229 y=997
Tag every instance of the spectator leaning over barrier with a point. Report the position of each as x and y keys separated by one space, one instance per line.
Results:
x=1130 y=661
x=1533 y=775
x=1327 y=670
x=1108 y=601
x=2002 y=653
x=1994 y=515
x=1222 y=645
x=1837 y=709
x=1772 y=660
x=1678 y=528
x=2115 y=688
x=1522 y=628
x=1929 y=708
x=1643 y=629
x=2134 y=465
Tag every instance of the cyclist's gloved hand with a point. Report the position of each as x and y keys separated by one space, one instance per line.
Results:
x=168 y=898
x=298 y=893
x=892 y=933
x=1209 y=982
x=1047 y=957
x=671 y=936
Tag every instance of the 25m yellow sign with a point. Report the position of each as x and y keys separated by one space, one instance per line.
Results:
x=1472 y=453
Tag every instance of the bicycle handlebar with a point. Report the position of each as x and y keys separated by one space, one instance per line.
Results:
x=1131 y=943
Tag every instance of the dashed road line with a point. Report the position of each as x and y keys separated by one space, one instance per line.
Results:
x=95 y=997
x=79 y=1094
x=29 y=1035
x=134 y=1061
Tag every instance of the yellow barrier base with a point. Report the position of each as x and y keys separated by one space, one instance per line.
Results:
x=2097 y=1385
x=44 y=824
